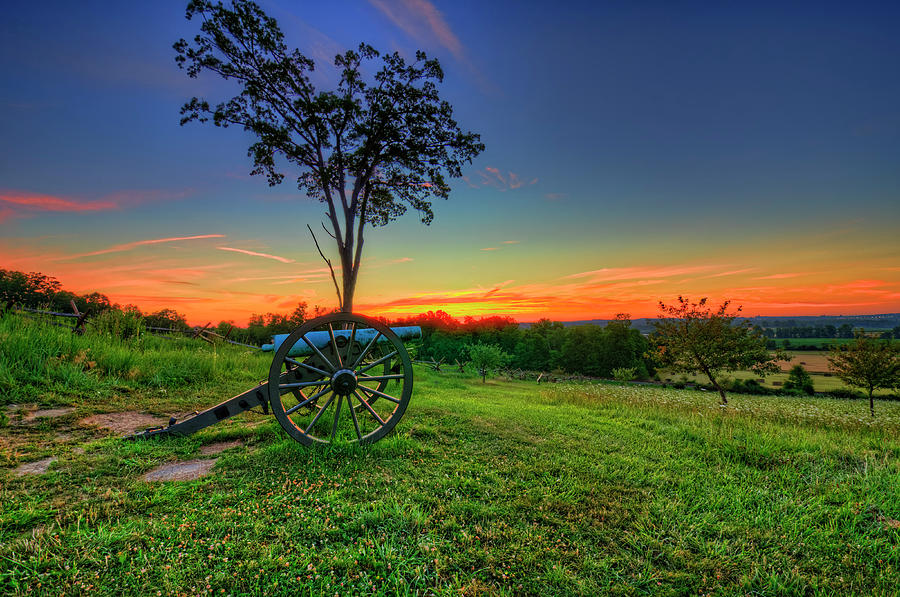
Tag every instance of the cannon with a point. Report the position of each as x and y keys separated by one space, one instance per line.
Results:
x=338 y=364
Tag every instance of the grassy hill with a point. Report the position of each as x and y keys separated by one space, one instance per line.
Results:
x=502 y=488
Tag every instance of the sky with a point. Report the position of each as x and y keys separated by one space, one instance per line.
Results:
x=635 y=152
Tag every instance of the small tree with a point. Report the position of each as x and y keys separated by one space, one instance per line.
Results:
x=486 y=357
x=378 y=144
x=692 y=338
x=868 y=364
x=799 y=379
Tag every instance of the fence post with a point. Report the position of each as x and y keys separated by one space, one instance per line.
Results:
x=78 y=328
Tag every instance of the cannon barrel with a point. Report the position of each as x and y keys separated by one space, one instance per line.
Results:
x=322 y=339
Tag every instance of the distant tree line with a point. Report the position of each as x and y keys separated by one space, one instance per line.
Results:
x=37 y=291
x=545 y=346
x=845 y=330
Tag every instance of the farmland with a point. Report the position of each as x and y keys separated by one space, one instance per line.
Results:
x=504 y=488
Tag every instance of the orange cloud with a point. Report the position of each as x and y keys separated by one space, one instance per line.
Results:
x=255 y=254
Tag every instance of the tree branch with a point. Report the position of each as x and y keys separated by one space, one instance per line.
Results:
x=328 y=261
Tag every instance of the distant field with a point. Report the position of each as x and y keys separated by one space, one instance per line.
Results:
x=816 y=363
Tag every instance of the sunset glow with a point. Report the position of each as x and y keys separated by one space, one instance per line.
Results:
x=672 y=158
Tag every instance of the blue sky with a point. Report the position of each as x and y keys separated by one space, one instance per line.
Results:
x=623 y=139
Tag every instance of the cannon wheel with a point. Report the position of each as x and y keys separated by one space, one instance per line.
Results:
x=333 y=394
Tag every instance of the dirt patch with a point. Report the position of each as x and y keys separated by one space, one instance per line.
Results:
x=181 y=471
x=49 y=413
x=124 y=422
x=38 y=467
x=220 y=447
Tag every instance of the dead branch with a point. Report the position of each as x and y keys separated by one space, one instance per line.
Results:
x=328 y=261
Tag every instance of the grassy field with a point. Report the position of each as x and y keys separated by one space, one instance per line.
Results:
x=815 y=363
x=502 y=488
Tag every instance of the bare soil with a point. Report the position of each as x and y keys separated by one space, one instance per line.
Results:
x=218 y=447
x=123 y=422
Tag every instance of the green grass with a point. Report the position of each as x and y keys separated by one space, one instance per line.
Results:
x=502 y=488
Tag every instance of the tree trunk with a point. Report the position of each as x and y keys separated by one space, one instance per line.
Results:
x=871 y=402
x=348 y=273
x=712 y=380
x=349 y=289
x=720 y=390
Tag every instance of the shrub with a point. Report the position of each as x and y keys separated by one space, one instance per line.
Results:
x=623 y=373
x=800 y=379
x=118 y=324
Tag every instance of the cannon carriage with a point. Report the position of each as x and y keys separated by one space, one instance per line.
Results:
x=340 y=377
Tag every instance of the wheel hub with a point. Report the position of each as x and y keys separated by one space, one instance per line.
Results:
x=344 y=382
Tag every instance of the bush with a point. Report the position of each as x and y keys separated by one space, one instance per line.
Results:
x=799 y=379
x=623 y=373
x=118 y=324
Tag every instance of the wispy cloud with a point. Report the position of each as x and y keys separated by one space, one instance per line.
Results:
x=38 y=202
x=511 y=242
x=780 y=276
x=555 y=196
x=733 y=272
x=21 y=203
x=255 y=254
x=423 y=22
x=631 y=273
x=494 y=177
x=140 y=243
x=491 y=249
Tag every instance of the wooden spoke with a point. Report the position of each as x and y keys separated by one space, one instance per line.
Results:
x=369 y=407
x=337 y=353
x=380 y=394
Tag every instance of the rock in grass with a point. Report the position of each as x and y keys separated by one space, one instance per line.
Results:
x=181 y=471
x=38 y=467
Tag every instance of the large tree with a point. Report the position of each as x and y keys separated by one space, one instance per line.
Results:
x=868 y=364
x=381 y=142
x=694 y=338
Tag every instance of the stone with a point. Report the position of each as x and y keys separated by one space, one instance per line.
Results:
x=38 y=467
x=186 y=470
x=49 y=413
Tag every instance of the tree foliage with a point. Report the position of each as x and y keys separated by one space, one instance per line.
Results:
x=486 y=357
x=694 y=338
x=799 y=379
x=868 y=364
x=380 y=143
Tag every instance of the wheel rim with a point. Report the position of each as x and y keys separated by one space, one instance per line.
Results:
x=355 y=387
